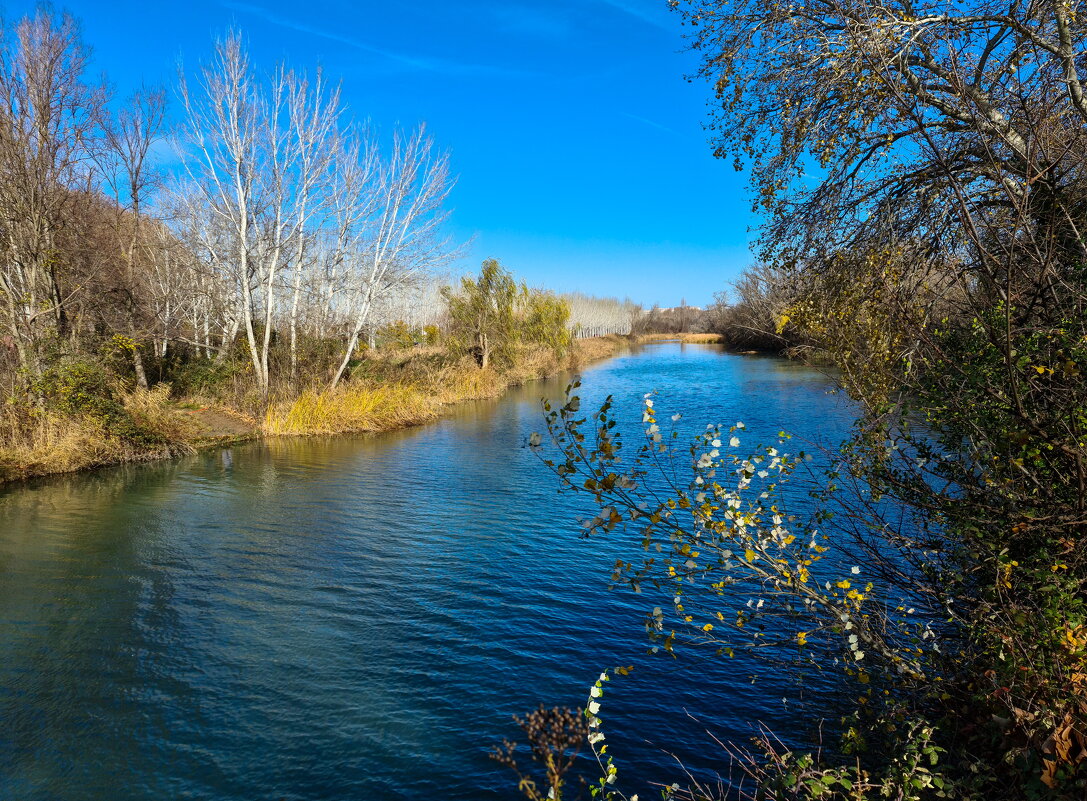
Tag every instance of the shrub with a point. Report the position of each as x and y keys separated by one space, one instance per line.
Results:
x=83 y=389
x=80 y=388
x=395 y=335
x=204 y=377
x=545 y=321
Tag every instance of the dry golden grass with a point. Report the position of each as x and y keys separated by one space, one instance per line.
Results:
x=53 y=444
x=407 y=387
x=425 y=380
x=36 y=443
x=530 y=364
x=705 y=339
x=594 y=349
x=151 y=409
x=464 y=381
x=349 y=408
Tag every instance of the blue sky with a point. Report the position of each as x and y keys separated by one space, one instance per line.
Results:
x=578 y=144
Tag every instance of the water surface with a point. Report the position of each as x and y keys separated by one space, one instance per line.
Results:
x=356 y=618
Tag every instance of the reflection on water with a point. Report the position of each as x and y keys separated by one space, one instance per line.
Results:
x=353 y=617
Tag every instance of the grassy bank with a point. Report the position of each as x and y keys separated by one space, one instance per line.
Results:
x=403 y=388
x=388 y=390
x=704 y=339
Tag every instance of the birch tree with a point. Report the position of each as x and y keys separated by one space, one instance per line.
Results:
x=223 y=148
x=313 y=113
x=397 y=216
x=260 y=158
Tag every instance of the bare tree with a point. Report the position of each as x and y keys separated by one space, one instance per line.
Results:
x=753 y=313
x=313 y=112
x=261 y=159
x=592 y=316
x=125 y=166
x=197 y=272
x=223 y=133
x=397 y=217
x=48 y=117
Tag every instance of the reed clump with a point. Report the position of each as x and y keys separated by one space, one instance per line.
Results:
x=533 y=363
x=40 y=440
x=464 y=381
x=50 y=443
x=152 y=410
x=349 y=408
x=702 y=338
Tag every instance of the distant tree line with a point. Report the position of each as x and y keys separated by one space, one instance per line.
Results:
x=592 y=316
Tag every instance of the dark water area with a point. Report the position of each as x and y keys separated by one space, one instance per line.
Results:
x=359 y=617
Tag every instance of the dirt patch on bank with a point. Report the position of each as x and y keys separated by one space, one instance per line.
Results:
x=211 y=424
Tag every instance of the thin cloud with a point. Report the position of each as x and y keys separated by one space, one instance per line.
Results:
x=540 y=22
x=639 y=9
x=403 y=60
x=651 y=123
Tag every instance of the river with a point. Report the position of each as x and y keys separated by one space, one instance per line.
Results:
x=357 y=617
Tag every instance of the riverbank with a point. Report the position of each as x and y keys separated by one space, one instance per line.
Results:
x=743 y=349
x=698 y=339
x=389 y=390
x=805 y=354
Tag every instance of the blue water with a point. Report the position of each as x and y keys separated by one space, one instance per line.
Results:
x=358 y=618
